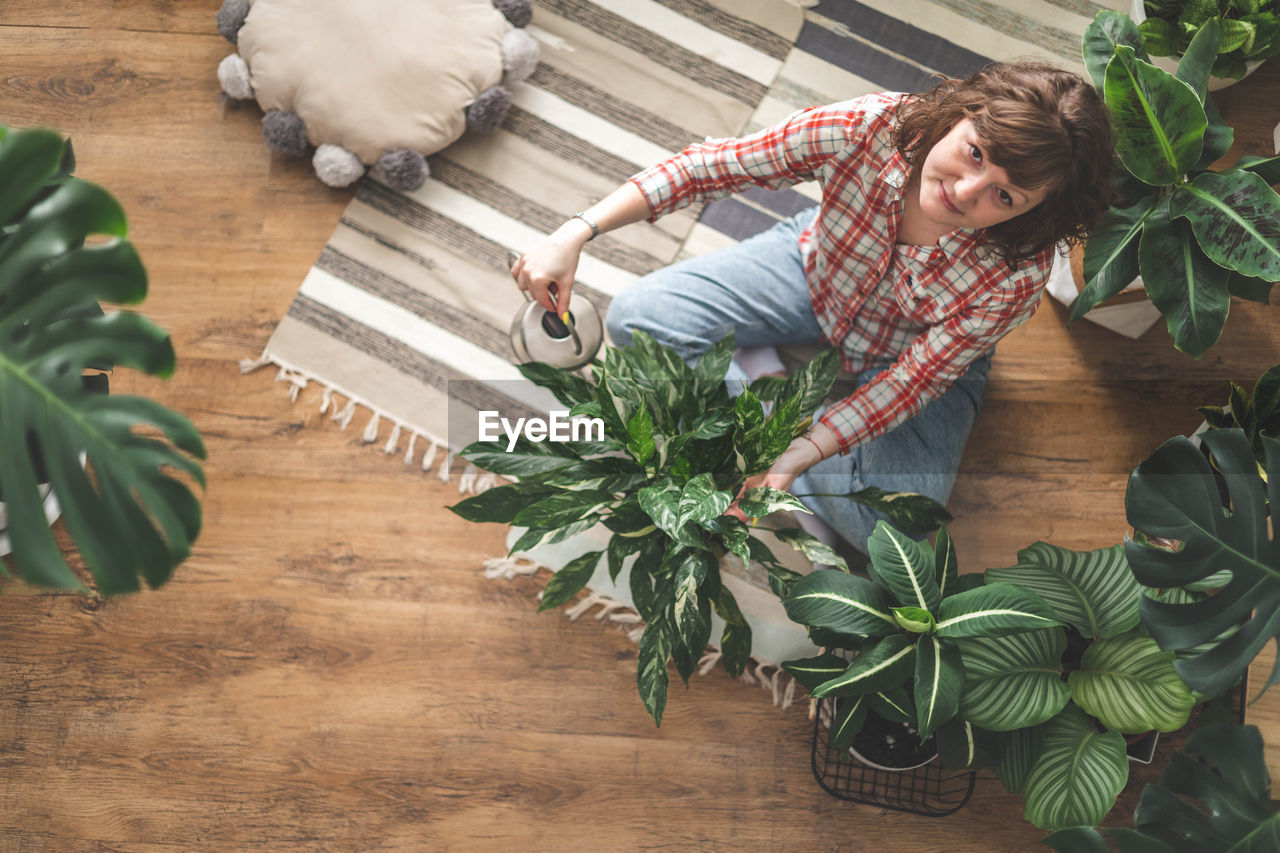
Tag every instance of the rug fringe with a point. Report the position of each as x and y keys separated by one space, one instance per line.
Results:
x=472 y=481
x=772 y=677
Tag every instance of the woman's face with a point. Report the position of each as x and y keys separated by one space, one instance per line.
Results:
x=961 y=188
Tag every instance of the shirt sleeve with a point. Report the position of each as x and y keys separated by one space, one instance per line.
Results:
x=791 y=151
x=934 y=361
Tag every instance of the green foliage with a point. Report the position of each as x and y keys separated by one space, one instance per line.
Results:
x=1195 y=236
x=124 y=507
x=676 y=452
x=1030 y=718
x=1250 y=30
x=1216 y=520
x=1214 y=797
x=1255 y=412
x=906 y=622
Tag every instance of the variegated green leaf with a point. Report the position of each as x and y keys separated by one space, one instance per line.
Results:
x=1158 y=121
x=877 y=667
x=1107 y=30
x=811 y=672
x=1015 y=681
x=652 y=678
x=911 y=513
x=1197 y=60
x=851 y=713
x=905 y=566
x=915 y=620
x=760 y=501
x=993 y=610
x=1111 y=256
x=1130 y=685
x=566 y=583
x=700 y=500
x=938 y=682
x=1093 y=591
x=812 y=547
x=1236 y=220
x=1079 y=774
x=841 y=602
x=946 y=567
x=1189 y=289
x=1018 y=753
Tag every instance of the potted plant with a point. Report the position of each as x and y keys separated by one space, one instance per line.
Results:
x=905 y=626
x=677 y=448
x=1052 y=707
x=1250 y=33
x=1214 y=797
x=1201 y=530
x=125 y=510
x=1196 y=236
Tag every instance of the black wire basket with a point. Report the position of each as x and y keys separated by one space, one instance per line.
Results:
x=930 y=791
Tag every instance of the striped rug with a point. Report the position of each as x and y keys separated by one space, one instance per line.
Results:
x=411 y=297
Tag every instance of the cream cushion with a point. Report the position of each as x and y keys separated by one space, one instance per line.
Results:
x=373 y=76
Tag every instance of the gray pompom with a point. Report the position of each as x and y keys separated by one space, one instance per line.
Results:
x=403 y=169
x=518 y=12
x=231 y=18
x=336 y=166
x=233 y=75
x=284 y=132
x=519 y=55
x=488 y=111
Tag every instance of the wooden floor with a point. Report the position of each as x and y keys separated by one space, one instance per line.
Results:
x=330 y=670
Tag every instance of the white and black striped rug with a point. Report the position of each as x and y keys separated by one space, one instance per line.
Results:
x=410 y=301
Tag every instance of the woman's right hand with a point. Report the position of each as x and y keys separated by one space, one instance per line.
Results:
x=546 y=272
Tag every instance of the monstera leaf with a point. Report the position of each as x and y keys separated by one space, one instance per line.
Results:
x=1214 y=797
x=125 y=510
x=1174 y=495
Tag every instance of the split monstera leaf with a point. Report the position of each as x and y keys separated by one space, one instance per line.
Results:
x=111 y=460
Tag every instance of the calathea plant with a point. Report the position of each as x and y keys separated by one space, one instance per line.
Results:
x=1203 y=528
x=1195 y=235
x=906 y=624
x=1214 y=797
x=1051 y=707
x=677 y=450
x=125 y=510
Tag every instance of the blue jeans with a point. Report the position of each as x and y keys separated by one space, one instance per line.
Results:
x=757 y=290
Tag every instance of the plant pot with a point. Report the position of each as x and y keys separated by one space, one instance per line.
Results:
x=891 y=746
x=1138 y=14
x=52 y=509
x=1142 y=748
x=928 y=790
x=1129 y=313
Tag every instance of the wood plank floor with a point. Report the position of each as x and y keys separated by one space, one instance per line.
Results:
x=330 y=670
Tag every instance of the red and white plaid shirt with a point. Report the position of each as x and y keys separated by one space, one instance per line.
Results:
x=923 y=312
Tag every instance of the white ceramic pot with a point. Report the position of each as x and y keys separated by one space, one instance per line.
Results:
x=1138 y=13
x=52 y=510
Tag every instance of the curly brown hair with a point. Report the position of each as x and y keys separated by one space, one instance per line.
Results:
x=1044 y=126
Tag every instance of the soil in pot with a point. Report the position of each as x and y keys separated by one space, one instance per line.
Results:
x=889 y=745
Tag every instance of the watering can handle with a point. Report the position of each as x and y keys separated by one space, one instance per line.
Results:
x=512 y=257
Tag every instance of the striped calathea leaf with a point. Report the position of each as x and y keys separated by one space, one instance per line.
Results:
x=1078 y=775
x=915 y=630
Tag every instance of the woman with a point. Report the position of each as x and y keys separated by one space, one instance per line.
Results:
x=934 y=238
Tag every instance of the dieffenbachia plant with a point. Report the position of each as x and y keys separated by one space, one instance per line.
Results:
x=1059 y=743
x=1196 y=236
x=1207 y=523
x=1214 y=797
x=677 y=450
x=908 y=623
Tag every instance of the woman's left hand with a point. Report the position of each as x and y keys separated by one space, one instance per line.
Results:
x=801 y=455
